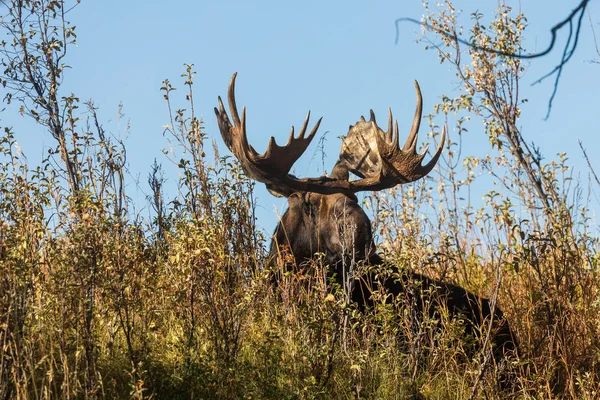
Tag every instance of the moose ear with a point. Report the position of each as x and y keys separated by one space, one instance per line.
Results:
x=340 y=170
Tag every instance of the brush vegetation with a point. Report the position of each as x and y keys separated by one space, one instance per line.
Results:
x=97 y=301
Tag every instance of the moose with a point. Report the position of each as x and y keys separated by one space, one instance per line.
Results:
x=324 y=216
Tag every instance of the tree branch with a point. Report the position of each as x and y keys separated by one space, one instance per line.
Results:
x=572 y=41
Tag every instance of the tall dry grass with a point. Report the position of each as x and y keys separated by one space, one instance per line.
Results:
x=96 y=301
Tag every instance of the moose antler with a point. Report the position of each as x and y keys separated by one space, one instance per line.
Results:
x=367 y=151
x=273 y=166
x=376 y=156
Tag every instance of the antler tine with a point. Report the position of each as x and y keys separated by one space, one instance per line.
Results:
x=372 y=116
x=245 y=145
x=290 y=138
x=224 y=123
x=231 y=99
x=390 y=124
x=304 y=126
x=425 y=169
x=314 y=130
x=234 y=135
x=411 y=141
x=438 y=152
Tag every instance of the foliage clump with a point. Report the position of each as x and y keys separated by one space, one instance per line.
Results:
x=96 y=301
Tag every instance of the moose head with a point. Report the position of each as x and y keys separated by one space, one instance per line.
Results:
x=323 y=214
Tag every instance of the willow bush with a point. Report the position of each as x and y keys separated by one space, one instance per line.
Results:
x=97 y=301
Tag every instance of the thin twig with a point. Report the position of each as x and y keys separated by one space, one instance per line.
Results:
x=589 y=163
x=569 y=50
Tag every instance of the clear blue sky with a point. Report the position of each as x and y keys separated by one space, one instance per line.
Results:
x=336 y=58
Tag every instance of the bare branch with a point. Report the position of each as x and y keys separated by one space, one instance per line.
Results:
x=575 y=17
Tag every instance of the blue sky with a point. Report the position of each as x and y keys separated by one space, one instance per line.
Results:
x=338 y=59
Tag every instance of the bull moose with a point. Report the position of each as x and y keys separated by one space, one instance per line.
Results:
x=321 y=210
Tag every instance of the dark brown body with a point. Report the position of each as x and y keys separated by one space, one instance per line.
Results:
x=338 y=228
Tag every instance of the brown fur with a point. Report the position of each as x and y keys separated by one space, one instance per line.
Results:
x=337 y=227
